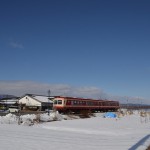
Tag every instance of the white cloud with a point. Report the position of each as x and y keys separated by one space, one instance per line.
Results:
x=20 y=88
x=16 y=45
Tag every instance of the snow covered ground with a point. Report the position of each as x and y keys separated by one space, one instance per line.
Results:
x=130 y=132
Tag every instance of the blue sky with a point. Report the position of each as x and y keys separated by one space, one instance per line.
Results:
x=82 y=43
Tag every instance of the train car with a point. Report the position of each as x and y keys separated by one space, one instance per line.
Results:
x=73 y=104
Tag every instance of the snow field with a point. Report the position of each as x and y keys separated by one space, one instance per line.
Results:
x=96 y=133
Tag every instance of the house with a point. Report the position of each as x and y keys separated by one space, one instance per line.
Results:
x=36 y=102
x=8 y=101
x=5 y=103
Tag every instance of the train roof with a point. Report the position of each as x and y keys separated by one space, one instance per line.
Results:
x=79 y=98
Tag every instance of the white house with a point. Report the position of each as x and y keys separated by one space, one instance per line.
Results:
x=36 y=101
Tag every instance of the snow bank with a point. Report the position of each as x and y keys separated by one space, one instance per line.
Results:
x=26 y=117
x=53 y=116
x=9 y=119
x=30 y=119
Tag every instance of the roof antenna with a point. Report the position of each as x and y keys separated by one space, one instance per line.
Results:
x=49 y=93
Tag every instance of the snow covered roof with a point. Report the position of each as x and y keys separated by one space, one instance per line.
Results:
x=40 y=98
x=44 y=99
x=9 y=101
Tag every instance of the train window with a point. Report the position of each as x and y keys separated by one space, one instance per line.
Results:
x=116 y=104
x=74 y=102
x=83 y=102
x=80 y=102
x=59 y=101
x=55 y=101
x=68 y=102
x=89 y=103
x=103 y=103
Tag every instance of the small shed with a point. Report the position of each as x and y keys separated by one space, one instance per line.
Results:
x=36 y=102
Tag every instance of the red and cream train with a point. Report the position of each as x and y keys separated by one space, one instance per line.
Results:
x=65 y=104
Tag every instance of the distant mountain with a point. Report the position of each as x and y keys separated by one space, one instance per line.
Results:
x=5 y=96
x=131 y=104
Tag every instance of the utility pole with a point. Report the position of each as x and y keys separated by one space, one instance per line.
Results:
x=139 y=103
x=19 y=119
x=127 y=102
x=49 y=93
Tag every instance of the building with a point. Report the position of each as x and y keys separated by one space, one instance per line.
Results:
x=36 y=102
x=5 y=103
x=9 y=102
